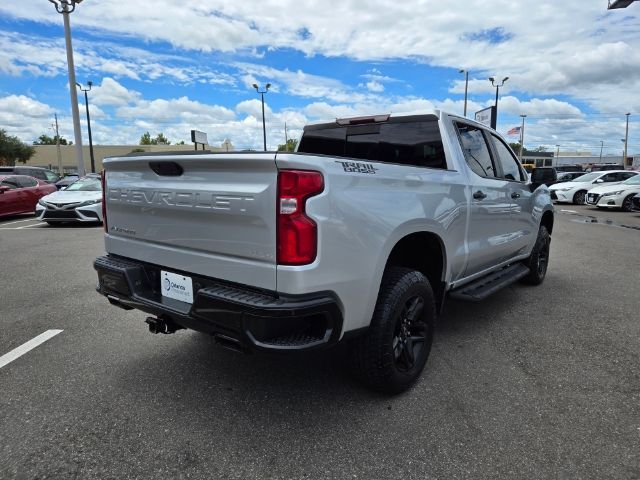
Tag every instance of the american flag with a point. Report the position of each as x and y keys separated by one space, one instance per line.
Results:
x=514 y=131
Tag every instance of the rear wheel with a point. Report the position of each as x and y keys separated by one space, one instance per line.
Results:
x=394 y=351
x=579 y=197
x=538 y=261
x=627 y=203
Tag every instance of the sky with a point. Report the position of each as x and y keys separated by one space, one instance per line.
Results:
x=167 y=66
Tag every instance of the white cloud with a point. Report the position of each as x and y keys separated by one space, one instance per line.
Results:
x=110 y=92
x=375 y=87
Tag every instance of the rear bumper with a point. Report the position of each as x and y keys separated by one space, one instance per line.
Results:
x=246 y=318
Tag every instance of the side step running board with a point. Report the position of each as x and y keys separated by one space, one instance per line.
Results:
x=483 y=287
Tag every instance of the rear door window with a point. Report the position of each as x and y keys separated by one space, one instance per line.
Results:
x=26 y=182
x=510 y=168
x=476 y=150
x=10 y=182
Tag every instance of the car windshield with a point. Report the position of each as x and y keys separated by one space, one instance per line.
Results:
x=588 y=177
x=635 y=180
x=86 y=185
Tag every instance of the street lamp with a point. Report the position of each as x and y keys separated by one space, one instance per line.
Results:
x=65 y=7
x=86 y=104
x=492 y=79
x=626 y=140
x=466 y=88
x=264 y=128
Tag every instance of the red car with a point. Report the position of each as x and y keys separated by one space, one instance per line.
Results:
x=20 y=194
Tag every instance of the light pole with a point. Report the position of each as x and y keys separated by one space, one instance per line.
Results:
x=522 y=137
x=66 y=7
x=624 y=150
x=601 y=145
x=492 y=79
x=626 y=141
x=86 y=104
x=264 y=128
x=466 y=88
x=557 y=153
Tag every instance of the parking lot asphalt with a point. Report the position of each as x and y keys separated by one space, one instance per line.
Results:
x=535 y=382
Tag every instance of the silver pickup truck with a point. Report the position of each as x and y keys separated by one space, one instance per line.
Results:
x=358 y=236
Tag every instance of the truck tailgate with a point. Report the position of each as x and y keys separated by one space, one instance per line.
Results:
x=209 y=214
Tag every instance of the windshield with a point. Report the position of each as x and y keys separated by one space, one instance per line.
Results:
x=85 y=185
x=588 y=177
x=635 y=180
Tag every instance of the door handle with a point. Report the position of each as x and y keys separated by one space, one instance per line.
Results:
x=479 y=195
x=515 y=195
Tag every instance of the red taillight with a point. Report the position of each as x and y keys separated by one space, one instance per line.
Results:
x=103 y=180
x=297 y=233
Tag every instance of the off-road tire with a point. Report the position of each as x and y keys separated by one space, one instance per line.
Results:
x=579 y=197
x=538 y=261
x=374 y=356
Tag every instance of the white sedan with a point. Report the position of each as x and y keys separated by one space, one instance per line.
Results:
x=615 y=196
x=79 y=202
x=576 y=190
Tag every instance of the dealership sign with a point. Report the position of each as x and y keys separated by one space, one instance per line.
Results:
x=487 y=117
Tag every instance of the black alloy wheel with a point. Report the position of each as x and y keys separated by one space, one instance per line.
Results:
x=410 y=335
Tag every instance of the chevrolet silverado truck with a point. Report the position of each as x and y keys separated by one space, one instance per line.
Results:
x=358 y=236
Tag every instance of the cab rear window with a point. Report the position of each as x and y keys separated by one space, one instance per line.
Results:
x=416 y=143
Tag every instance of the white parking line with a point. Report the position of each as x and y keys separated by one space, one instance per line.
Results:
x=26 y=347
x=18 y=221
x=28 y=226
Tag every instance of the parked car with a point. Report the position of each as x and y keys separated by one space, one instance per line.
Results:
x=607 y=166
x=67 y=180
x=615 y=196
x=568 y=176
x=40 y=173
x=20 y=193
x=576 y=190
x=79 y=202
x=569 y=168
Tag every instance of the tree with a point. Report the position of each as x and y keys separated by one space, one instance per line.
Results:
x=45 y=139
x=290 y=146
x=160 y=139
x=13 y=150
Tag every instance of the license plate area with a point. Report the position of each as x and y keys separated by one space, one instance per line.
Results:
x=176 y=286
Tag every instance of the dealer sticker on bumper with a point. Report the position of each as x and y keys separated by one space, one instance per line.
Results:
x=176 y=286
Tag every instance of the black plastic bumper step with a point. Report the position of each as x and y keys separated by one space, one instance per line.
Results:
x=483 y=287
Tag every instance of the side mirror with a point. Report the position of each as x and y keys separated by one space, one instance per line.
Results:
x=599 y=181
x=4 y=188
x=546 y=176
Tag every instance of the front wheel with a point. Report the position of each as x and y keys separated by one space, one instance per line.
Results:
x=392 y=354
x=538 y=261
x=579 y=197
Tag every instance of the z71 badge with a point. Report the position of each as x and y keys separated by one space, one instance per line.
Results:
x=358 y=167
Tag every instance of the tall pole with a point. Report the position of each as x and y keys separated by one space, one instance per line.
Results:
x=86 y=104
x=72 y=85
x=286 y=140
x=601 y=145
x=522 y=137
x=60 y=169
x=264 y=127
x=466 y=89
x=626 y=142
x=557 y=154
